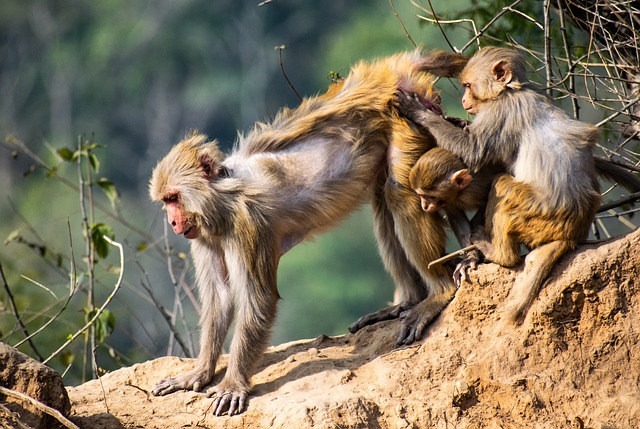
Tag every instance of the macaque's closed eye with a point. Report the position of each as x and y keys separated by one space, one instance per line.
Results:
x=171 y=198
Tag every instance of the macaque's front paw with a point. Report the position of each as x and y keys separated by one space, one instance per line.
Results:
x=228 y=398
x=412 y=107
x=470 y=262
x=195 y=380
x=458 y=122
x=388 y=313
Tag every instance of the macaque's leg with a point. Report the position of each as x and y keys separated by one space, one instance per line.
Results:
x=409 y=288
x=217 y=313
x=256 y=299
x=409 y=239
x=508 y=201
x=423 y=237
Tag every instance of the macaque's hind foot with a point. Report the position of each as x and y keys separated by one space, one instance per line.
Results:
x=228 y=399
x=195 y=380
x=417 y=319
x=388 y=313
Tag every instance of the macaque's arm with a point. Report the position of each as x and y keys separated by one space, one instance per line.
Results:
x=448 y=136
x=462 y=229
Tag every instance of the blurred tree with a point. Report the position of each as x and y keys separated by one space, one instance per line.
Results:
x=138 y=76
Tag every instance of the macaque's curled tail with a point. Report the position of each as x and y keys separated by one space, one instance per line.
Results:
x=443 y=64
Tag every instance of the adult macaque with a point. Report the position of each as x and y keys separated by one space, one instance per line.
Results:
x=285 y=182
x=550 y=195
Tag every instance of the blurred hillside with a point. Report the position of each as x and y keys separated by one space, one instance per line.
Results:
x=128 y=79
x=134 y=77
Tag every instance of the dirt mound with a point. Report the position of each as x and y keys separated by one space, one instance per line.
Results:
x=573 y=363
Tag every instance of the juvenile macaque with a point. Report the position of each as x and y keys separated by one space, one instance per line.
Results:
x=550 y=195
x=443 y=182
x=286 y=181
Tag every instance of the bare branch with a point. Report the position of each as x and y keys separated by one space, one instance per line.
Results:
x=40 y=406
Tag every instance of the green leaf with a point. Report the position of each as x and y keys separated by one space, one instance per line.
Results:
x=99 y=243
x=105 y=323
x=66 y=154
x=110 y=191
x=94 y=161
x=15 y=235
x=67 y=358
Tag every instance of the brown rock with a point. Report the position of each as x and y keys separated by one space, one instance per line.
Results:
x=21 y=373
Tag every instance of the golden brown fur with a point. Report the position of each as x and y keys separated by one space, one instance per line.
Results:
x=285 y=181
x=550 y=194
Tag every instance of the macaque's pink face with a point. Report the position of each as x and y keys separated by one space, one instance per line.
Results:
x=469 y=101
x=178 y=219
x=429 y=203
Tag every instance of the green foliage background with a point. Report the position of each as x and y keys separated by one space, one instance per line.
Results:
x=136 y=76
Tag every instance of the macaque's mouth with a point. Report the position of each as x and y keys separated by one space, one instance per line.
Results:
x=191 y=233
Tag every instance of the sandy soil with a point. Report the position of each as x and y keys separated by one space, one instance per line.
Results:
x=573 y=363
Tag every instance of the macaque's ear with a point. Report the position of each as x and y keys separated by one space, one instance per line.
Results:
x=461 y=178
x=208 y=165
x=502 y=72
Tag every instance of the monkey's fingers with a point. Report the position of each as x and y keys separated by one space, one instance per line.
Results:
x=411 y=329
x=469 y=263
x=388 y=313
x=230 y=402
x=166 y=386
x=195 y=380
x=458 y=122
x=411 y=105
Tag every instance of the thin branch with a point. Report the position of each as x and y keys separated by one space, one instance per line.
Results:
x=163 y=311
x=438 y=22
x=101 y=309
x=395 y=12
x=618 y=112
x=570 y=65
x=626 y=200
x=280 y=49
x=452 y=255
x=90 y=335
x=95 y=366
x=178 y=308
x=483 y=30
x=72 y=291
x=547 y=47
x=14 y=307
x=40 y=406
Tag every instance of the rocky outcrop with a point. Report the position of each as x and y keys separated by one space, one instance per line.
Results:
x=573 y=363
